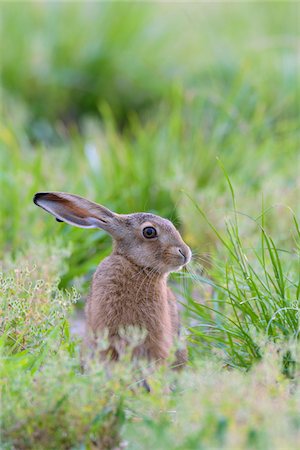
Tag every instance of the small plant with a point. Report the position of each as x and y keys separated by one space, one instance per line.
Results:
x=32 y=306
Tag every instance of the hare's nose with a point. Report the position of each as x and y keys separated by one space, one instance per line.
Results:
x=183 y=254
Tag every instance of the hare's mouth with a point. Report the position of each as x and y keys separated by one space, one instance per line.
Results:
x=181 y=259
x=176 y=264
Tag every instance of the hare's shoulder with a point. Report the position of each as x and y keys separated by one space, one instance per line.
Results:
x=110 y=264
x=114 y=276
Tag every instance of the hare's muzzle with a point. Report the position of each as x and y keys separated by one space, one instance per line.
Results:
x=185 y=254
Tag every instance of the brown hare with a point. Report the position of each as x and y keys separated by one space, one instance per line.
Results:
x=129 y=287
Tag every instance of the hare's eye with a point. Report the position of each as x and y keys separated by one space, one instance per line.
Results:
x=149 y=232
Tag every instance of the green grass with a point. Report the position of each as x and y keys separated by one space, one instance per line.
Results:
x=189 y=111
x=147 y=168
x=48 y=401
x=255 y=295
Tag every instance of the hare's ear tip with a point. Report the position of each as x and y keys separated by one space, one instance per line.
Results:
x=38 y=196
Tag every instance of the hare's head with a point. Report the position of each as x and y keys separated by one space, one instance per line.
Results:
x=145 y=239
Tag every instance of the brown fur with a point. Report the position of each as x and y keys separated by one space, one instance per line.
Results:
x=130 y=286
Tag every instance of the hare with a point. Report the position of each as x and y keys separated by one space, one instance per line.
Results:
x=129 y=287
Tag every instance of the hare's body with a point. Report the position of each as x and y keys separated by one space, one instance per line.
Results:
x=130 y=286
x=124 y=294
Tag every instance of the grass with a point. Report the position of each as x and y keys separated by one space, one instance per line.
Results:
x=49 y=402
x=148 y=165
x=204 y=132
x=256 y=296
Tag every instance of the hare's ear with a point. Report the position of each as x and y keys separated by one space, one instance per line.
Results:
x=76 y=210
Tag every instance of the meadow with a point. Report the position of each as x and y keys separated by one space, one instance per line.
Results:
x=187 y=110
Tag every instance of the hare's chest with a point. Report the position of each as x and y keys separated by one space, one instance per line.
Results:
x=122 y=297
x=137 y=309
x=112 y=306
x=151 y=312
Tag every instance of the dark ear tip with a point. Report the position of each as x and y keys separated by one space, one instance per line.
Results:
x=37 y=197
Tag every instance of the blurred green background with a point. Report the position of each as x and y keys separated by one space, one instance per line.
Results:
x=152 y=107
x=130 y=105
